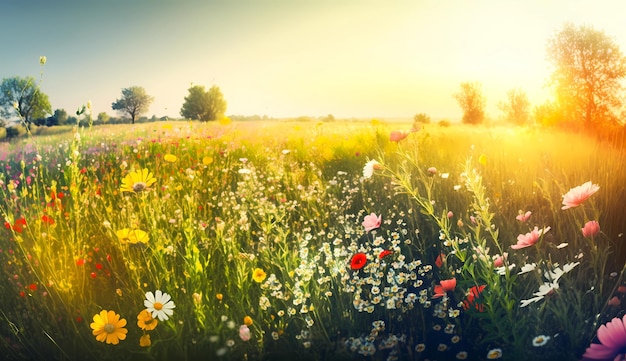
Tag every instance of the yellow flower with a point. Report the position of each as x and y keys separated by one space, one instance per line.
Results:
x=146 y=322
x=207 y=160
x=42 y=60
x=137 y=181
x=170 y=158
x=482 y=160
x=144 y=341
x=107 y=326
x=248 y=321
x=258 y=275
x=219 y=296
x=132 y=236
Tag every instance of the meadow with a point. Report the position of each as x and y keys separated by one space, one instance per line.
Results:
x=316 y=241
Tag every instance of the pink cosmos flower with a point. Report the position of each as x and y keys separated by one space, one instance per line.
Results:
x=577 y=195
x=591 y=229
x=372 y=222
x=398 y=135
x=524 y=217
x=244 y=333
x=444 y=286
x=529 y=239
x=612 y=337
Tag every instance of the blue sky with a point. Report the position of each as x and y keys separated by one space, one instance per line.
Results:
x=350 y=58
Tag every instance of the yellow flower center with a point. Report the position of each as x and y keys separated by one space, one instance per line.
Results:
x=139 y=186
x=109 y=328
x=158 y=306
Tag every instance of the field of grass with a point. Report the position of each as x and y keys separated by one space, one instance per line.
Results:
x=268 y=240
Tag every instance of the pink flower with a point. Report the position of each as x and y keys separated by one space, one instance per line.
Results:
x=244 y=333
x=590 y=229
x=529 y=239
x=444 y=286
x=612 y=337
x=372 y=222
x=450 y=214
x=498 y=260
x=432 y=170
x=614 y=301
x=577 y=195
x=524 y=217
x=398 y=135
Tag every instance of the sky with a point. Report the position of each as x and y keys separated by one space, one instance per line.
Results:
x=288 y=58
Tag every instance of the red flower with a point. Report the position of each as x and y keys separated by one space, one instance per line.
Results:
x=444 y=287
x=47 y=219
x=18 y=225
x=80 y=262
x=384 y=253
x=472 y=295
x=439 y=260
x=32 y=287
x=358 y=261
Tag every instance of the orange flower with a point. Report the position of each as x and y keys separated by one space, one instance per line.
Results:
x=145 y=321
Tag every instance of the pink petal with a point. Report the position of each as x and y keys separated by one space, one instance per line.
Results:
x=613 y=334
x=596 y=351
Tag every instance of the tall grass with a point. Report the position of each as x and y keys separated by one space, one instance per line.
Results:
x=257 y=224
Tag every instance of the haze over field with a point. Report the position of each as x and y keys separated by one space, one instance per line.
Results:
x=290 y=58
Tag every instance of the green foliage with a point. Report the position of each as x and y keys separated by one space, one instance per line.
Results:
x=516 y=108
x=22 y=98
x=421 y=118
x=472 y=102
x=588 y=71
x=203 y=105
x=134 y=102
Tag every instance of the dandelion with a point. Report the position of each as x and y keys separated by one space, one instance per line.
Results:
x=612 y=337
x=494 y=354
x=444 y=286
x=591 y=229
x=137 y=181
x=370 y=167
x=258 y=275
x=145 y=321
x=372 y=222
x=144 y=341
x=109 y=327
x=577 y=195
x=540 y=340
x=160 y=304
x=132 y=236
x=358 y=261
x=171 y=158
x=529 y=239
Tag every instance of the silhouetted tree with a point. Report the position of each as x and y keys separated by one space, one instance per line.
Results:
x=134 y=102
x=516 y=108
x=21 y=97
x=472 y=101
x=588 y=69
x=203 y=105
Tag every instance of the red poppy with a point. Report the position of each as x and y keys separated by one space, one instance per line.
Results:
x=439 y=260
x=33 y=287
x=384 y=253
x=358 y=261
x=18 y=225
x=472 y=296
x=444 y=287
x=47 y=219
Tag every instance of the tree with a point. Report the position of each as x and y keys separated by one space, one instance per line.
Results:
x=134 y=102
x=22 y=97
x=103 y=118
x=516 y=108
x=421 y=118
x=588 y=68
x=472 y=102
x=203 y=105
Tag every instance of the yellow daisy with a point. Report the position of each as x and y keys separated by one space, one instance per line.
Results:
x=258 y=275
x=137 y=181
x=170 y=158
x=132 y=236
x=107 y=326
x=146 y=322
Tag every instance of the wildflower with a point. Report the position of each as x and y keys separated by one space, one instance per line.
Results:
x=439 y=260
x=540 y=340
x=258 y=275
x=132 y=236
x=524 y=217
x=108 y=327
x=171 y=158
x=160 y=304
x=144 y=341
x=358 y=261
x=499 y=260
x=247 y=320
x=494 y=354
x=529 y=239
x=420 y=347
x=432 y=170
x=384 y=253
x=614 y=301
x=450 y=214
x=397 y=135
x=371 y=222
x=472 y=296
x=612 y=337
x=462 y=355
x=47 y=219
x=591 y=229
x=577 y=195
x=18 y=226
x=370 y=167
x=145 y=321
x=527 y=268
x=42 y=60
x=482 y=159
x=444 y=286
x=137 y=181
x=244 y=333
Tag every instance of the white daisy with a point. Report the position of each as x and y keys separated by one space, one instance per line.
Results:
x=540 y=340
x=368 y=170
x=159 y=305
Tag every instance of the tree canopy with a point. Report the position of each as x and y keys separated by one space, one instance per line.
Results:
x=472 y=101
x=22 y=98
x=134 y=102
x=588 y=68
x=516 y=108
x=203 y=105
